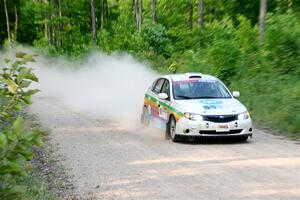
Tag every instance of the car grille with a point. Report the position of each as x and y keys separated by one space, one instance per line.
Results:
x=220 y=118
x=215 y=132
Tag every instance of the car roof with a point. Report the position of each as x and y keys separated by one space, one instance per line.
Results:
x=187 y=76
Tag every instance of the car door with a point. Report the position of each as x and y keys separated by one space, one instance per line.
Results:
x=155 y=90
x=154 y=106
x=163 y=105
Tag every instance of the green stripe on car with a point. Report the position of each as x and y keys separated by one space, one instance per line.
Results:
x=165 y=105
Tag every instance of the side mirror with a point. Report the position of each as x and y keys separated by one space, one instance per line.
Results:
x=162 y=96
x=236 y=94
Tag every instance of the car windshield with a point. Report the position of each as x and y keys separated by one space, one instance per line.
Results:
x=199 y=89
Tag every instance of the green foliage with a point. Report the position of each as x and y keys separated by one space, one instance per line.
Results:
x=283 y=48
x=250 y=58
x=273 y=103
x=36 y=189
x=223 y=51
x=16 y=140
x=156 y=36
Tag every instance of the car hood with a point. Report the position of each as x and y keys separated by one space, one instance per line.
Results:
x=210 y=106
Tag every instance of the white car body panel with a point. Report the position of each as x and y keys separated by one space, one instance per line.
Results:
x=159 y=112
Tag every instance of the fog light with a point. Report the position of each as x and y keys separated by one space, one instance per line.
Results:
x=186 y=130
x=236 y=124
x=207 y=125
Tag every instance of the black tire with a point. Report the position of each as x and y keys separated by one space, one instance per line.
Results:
x=171 y=129
x=167 y=133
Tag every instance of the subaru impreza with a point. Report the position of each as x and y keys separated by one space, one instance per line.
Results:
x=195 y=105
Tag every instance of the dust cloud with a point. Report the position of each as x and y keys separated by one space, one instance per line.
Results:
x=100 y=86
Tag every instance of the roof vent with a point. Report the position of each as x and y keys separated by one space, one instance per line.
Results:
x=195 y=76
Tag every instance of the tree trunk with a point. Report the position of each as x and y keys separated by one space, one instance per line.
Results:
x=55 y=26
x=140 y=16
x=94 y=30
x=47 y=24
x=60 y=23
x=104 y=13
x=262 y=19
x=16 y=20
x=134 y=9
x=7 y=22
x=138 y=9
x=154 y=18
x=58 y=28
x=201 y=14
x=191 y=5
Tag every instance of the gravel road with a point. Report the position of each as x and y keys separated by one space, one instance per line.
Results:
x=108 y=161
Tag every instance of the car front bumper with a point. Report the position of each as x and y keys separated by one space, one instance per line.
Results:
x=186 y=127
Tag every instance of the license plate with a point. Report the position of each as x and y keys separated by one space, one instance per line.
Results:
x=222 y=128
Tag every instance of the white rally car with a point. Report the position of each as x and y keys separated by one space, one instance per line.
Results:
x=195 y=105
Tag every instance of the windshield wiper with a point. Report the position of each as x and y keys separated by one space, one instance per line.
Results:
x=184 y=97
x=206 y=97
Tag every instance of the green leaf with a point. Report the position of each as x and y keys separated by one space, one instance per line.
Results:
x=29 y=135
x=3 y=100
x=5 y=69
x=11 y=85
x=28 y=58
x=20 y=54
x=11 y=137
x=24 y=84
x=18 y=190
x=27 y=100
x=16 y=64
x=31 y=92
x=4 y=114
x=26 y=73
x=33 y=136
x=32 y=77
x=27 y=154
x=3 y=142
x=23 y=73
x=6 y=60
x=11 y=192
x=18 y=107
x=12 y=167
x=18 y=126
x=38 y=141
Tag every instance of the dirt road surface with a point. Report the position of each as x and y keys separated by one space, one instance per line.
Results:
x=107 y=161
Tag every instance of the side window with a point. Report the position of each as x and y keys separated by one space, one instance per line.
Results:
x=166 y=88
x=158 y=85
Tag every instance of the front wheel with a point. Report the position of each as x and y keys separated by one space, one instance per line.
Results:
x=172 y=129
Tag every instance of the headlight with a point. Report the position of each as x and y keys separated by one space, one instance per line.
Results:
x=244 y=115
x=192 y=116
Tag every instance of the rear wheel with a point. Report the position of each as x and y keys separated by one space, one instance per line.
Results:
x=172 y=129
